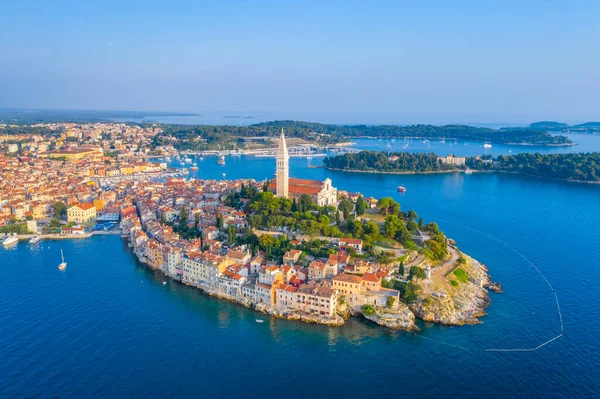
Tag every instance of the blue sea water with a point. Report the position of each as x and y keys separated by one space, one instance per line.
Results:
x=108 y=327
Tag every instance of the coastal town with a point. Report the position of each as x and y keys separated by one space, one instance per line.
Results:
x=288 y=247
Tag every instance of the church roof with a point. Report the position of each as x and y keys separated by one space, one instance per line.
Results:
x=300 y=186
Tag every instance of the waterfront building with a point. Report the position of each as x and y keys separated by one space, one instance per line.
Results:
x=452 y=160
x=81 y=213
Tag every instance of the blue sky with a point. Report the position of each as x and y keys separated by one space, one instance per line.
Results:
x=419 y=61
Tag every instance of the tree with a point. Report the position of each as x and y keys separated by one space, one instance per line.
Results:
x=29 y=217
x=305 y=202
x=219 y=221
x=361 y=206
x=372 y=229
x=417 y=273
x=294 y=206
x=390 y=301
x=337 y=217
x=388 y=206
x=231 y=233
x=401 y=268
x=265 y=203
x=420 y=223
x=60 y=210
x=391 y=226
x=412 y=215
x=345 y=207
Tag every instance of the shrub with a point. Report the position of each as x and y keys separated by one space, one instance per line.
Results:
x=368 y=310
x=454 y=283
x=390 y=301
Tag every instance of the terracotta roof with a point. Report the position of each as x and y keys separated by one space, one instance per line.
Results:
x=347 y=278
x=370 y=277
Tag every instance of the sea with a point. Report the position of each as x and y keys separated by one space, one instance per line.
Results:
x=109 y=327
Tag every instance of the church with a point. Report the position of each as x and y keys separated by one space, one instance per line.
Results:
x=321 y=193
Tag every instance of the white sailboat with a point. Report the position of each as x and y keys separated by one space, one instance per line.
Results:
x=63 y=265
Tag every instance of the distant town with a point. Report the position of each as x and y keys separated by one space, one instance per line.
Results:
x=288 y=247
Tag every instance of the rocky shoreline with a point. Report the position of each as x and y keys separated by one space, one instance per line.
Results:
x=462 y=306
x=457 y=306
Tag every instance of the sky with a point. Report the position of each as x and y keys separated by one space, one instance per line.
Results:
x=416 y=61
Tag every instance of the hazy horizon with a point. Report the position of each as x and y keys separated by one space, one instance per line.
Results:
x=390 y=62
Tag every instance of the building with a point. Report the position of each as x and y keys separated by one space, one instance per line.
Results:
x=452 y=160
x=74 y=154
x=320 y=193
x=282 y=175
x=81 y=213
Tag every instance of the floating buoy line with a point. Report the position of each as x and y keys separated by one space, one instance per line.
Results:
x=560 y=317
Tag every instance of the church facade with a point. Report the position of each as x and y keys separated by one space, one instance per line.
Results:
x=321 y=193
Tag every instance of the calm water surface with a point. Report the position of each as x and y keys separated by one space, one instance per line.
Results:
x=108 y=327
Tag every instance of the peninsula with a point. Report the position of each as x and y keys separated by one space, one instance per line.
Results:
x=288 y=247
x=575 y=167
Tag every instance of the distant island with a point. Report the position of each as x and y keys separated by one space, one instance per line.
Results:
x=588 y=127
x=578 y=167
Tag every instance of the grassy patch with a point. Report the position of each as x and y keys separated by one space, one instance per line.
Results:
x=454 y=283
x=385 y=242
x=461 y=275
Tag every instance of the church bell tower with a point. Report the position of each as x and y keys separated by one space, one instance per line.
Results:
x=283 y=168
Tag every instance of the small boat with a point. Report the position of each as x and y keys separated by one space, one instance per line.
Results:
x=486 y=145
x=63 y=264
x=164 y=283
x=260 y=321
x=10 y=240
x=402 y=189
x=224 y=174
x=194 y=168
x=34 y=240
x=468 y=171
x=202 y=158
x=221 y=160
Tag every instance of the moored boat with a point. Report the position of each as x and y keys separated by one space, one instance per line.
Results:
x=402 y=189
x=34 y=240
x=221 y=160
x=10 y=240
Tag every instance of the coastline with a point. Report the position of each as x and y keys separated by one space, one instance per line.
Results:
x=462 y=171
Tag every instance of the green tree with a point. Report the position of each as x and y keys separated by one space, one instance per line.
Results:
x=361 y=206
x=345 y=207
x=388 y=206
x=305 y=202
x=60 y=210
x=390 y=301
x=412 y=215
x=231 y=233
x=417 y=273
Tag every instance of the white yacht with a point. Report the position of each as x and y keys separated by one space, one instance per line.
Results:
x=10 y=240
x=34 y=240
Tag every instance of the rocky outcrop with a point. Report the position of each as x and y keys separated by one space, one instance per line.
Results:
x=400 y=318
x=460 y=305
